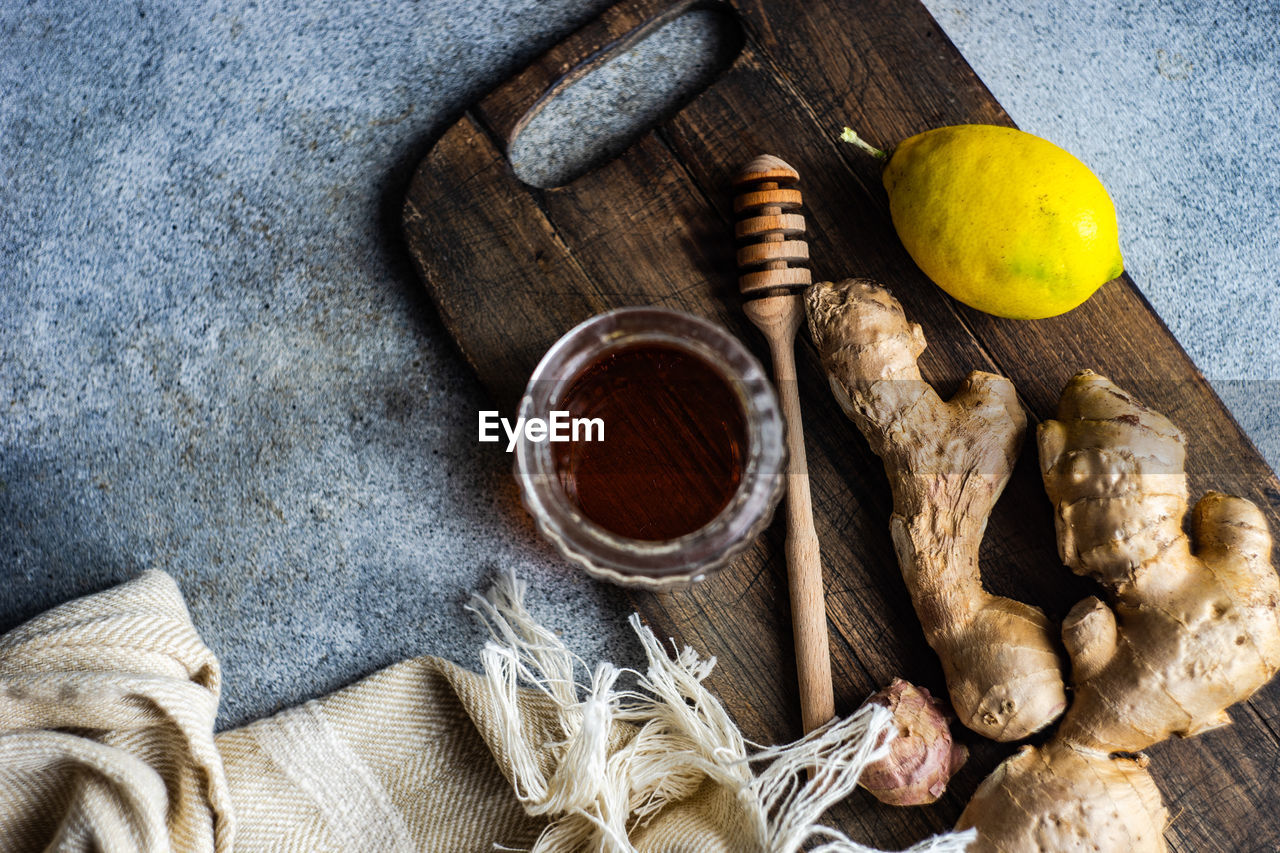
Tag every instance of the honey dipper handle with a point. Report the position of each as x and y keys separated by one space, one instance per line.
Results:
x=804 y=561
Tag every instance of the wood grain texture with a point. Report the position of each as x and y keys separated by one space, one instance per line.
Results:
x=512 y=268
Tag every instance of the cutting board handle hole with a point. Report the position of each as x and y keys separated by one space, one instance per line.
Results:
x=600 y=108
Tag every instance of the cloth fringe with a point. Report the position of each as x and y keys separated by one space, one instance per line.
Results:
x=597 y=793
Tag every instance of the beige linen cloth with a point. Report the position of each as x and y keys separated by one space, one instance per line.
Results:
x=107 y=708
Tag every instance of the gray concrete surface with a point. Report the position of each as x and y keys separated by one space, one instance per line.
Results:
x=215 y=358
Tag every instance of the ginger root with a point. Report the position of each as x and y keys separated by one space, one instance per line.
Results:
x=1190 y=632
x=922 y=758
x=947 y=462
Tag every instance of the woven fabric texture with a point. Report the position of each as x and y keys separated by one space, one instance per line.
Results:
x=107 y=709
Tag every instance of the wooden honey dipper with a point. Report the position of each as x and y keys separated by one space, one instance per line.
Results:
x=770 y=233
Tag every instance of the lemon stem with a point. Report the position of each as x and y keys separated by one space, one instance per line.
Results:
x=850 y=135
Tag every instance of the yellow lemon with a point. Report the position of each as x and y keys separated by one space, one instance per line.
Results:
x=1004 y=221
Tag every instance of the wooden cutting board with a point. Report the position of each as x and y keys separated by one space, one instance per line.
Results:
x=512 y=268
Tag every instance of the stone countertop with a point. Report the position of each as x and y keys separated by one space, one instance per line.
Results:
x=217 y=360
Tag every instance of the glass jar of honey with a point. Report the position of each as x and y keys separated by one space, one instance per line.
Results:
x=671 y=453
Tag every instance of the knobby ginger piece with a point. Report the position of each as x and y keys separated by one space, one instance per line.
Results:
x=922 y=758
x=1190 y=630
x=948 y=462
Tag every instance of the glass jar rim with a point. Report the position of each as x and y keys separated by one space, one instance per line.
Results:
x=659 y=563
